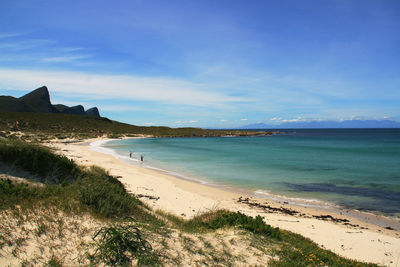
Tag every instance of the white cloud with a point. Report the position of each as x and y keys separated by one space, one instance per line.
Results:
x=244 y=119
x=298 y=119
x=355 y=118
x=275 y=119
x=193 y=121
x=128 y=87
x=223 y=120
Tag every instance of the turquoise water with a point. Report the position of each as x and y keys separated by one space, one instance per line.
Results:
x=355 y=168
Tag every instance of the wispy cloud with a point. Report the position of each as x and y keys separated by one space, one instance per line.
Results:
x=11 y=34
x=154 y=89
x=64 y=59
x=46 y=51
x=26 y=44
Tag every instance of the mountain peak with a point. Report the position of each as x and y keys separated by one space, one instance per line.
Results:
x=41 y=93
x=39 y=100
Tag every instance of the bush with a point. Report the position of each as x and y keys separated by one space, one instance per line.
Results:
x=223 y=218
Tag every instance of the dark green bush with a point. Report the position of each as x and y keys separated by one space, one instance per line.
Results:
x=222 y=218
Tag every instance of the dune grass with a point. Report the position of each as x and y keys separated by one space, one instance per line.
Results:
x=64 y=183
x=120 y=245
x=50 y=168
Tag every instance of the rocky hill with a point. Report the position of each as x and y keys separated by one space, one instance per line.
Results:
x=39 y=101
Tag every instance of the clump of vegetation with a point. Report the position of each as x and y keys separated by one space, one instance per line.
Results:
x=224 y=218
x=105 y=195
x=120 y=245
x=38 y=160
x=54 y=262
x=12 y=193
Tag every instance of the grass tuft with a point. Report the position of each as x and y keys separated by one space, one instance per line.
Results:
x=120 y=245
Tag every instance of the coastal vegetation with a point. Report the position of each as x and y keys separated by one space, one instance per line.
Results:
x=44 y=126
x=64 y=209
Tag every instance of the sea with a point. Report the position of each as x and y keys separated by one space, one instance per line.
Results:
x=349 y=168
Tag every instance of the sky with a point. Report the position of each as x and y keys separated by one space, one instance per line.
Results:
x=207 y=63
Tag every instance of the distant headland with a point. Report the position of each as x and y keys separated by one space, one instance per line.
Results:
x=39 y=101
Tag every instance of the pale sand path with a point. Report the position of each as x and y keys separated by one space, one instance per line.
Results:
x=187 y=198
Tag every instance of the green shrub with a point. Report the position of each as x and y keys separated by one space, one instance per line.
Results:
x=223 y=218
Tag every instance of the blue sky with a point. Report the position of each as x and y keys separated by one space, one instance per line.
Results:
x=207 y=63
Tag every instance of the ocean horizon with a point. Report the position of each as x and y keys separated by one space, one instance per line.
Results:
x=350 y=168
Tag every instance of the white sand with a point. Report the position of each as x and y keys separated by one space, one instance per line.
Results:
x=187 y=198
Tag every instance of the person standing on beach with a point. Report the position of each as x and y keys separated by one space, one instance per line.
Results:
x=130 y=154
x=141 y=158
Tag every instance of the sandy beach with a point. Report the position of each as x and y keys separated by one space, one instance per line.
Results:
x=338 y=232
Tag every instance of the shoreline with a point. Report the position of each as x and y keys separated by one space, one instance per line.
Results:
x=339 y=232
x=377 y=219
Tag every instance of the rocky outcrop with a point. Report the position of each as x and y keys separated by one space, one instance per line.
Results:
x=60 y=107
x=77 y=110
x=39 y=101
x=93 y=112
x=12 y=104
